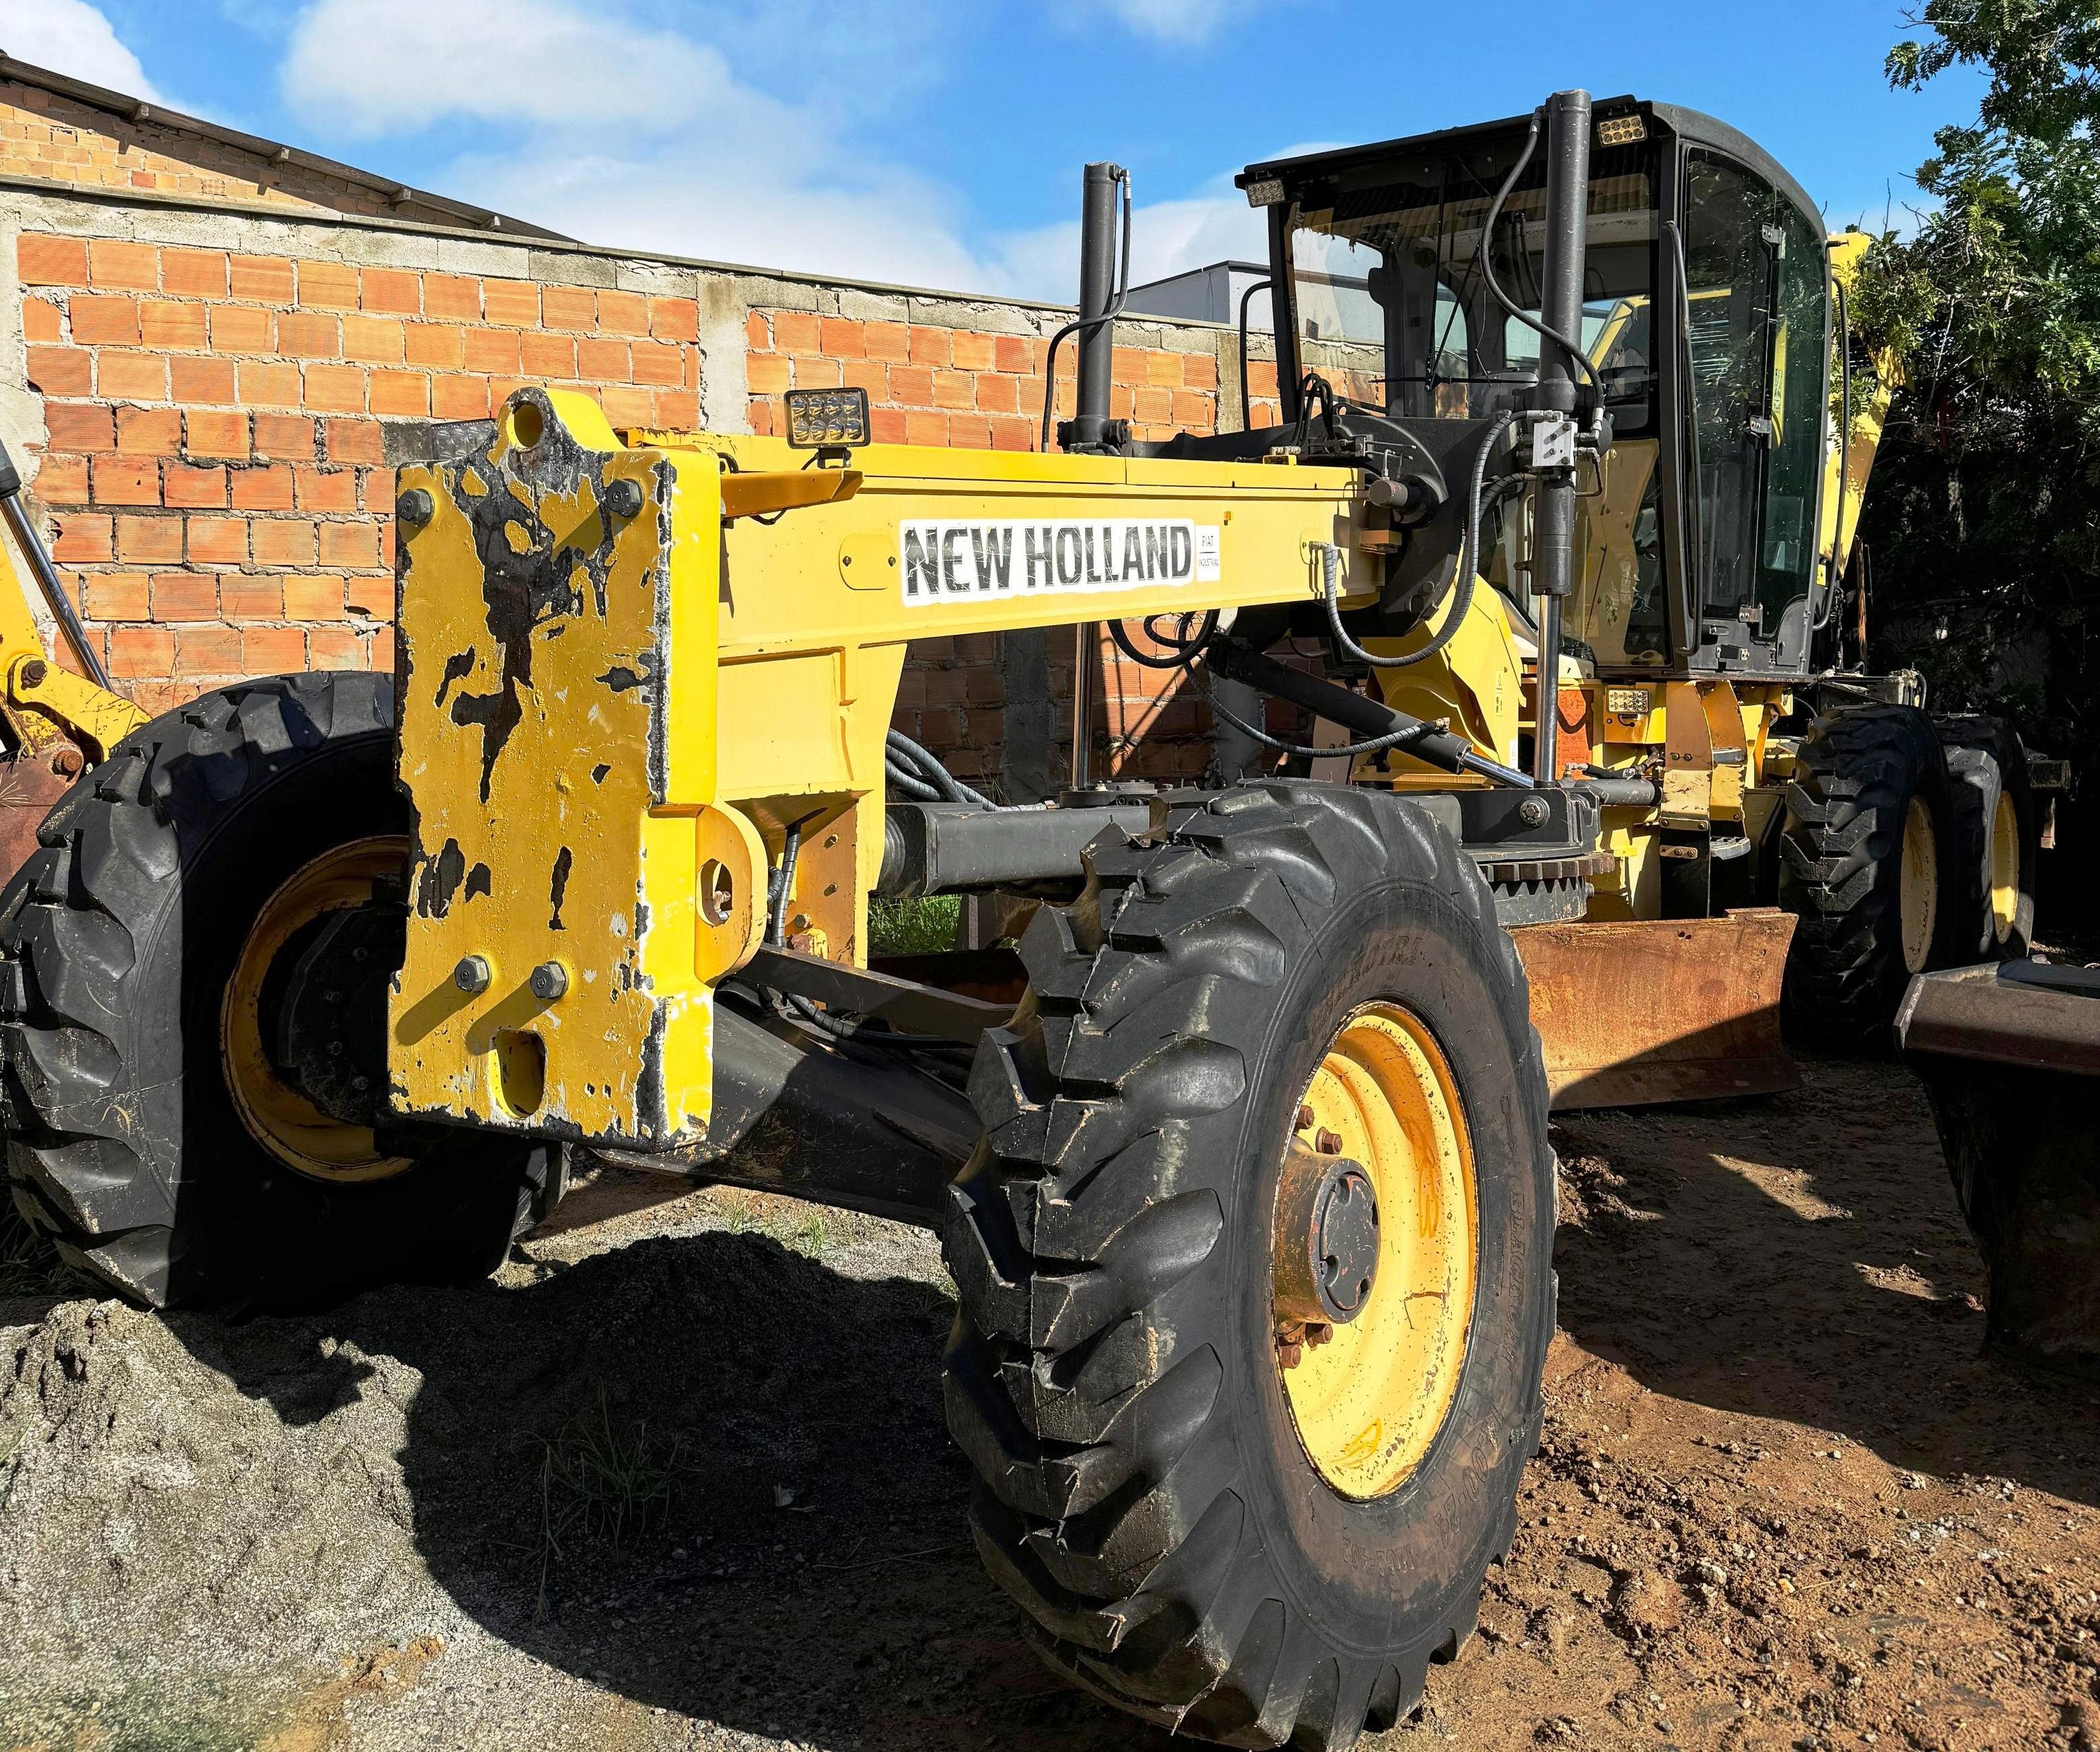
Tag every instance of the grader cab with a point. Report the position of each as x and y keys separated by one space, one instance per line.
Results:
x=1240 y=1160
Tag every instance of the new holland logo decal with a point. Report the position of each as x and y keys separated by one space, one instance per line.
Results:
x=960 y=562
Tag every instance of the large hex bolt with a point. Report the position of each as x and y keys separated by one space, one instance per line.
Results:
x=472 y=975
x=549 y=981
x=1326 y=1239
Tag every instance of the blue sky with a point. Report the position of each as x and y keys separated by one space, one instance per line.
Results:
x=938 y=142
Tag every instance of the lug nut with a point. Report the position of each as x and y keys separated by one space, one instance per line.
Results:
x=1304 y=1116
x=1327 y=1143
x=472 y=976
x=549 y=981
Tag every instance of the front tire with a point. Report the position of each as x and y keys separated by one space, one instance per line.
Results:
x=1117 y=1373
x=1865 y=867
x=145 y=948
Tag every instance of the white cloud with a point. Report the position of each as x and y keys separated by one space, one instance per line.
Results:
x=72 y=37
x=649 y=139
x=1181 y=23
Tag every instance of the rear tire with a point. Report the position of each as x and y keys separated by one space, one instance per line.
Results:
x=1864 y=854
x=1995 y=840
x=1115 y=1374
x=125 y=1144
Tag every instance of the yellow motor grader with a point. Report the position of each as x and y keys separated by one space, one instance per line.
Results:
x=1241 y=1161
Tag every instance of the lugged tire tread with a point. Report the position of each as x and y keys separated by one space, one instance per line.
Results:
x=1099 y=1492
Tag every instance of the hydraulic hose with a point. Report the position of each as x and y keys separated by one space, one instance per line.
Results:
x=1465 y=571
x=1486 y=255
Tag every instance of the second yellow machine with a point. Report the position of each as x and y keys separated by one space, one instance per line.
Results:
x=1241 y=1160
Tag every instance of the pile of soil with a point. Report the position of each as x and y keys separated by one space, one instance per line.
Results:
x=677 y=1479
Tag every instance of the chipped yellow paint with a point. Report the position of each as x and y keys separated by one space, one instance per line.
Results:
x=45 y=701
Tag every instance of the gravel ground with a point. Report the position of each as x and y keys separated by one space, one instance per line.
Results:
x=677 y=1479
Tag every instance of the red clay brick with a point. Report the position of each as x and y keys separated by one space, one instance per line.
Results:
x=1199 y=371
x=454 y=297
x=1013 y=431
x=890 y=341
x=116 y=596
x=261 y=278
x=127 y=480
x=369 y=596
x=912 y=386
x=309 y=334
x=335 y=648
x=328 y=285
x=512 y=303
x=141 y=651
x=969 y=431
x=376 y=340
x=842 y=337
x=284 y=436
x=81 y=537
x=123 y=266
x=272 y=651
x=679 y=410
x=68 y=425
x=265 y=385
x=241 y=329
x=334 y=389
x=379 y=655
x=492 y=350
x=150 y=431
x=214 y=540
x=1163 y=369
x=124 y=376
x=572 y=307
x=758 y=332
x=954 y=388
x=61 y=370
x=1016 y=354
x=886 y=426
x=313 y=597
x=998 y=395
x=869 y=374
x=51 y=261
x=819 y=374
x=623 y=313
x=458 y=398
x=626 y=407
x=356 y=441
x=397 y=290
x=42 y=320
x=548 y=355
x=195 y=486
x=439 y=345
x=655 y=362
x=971 y=351
x=929 y=346
x=1193 y=410
x=674 y=319
x=795 y=331
x=150 y=539
x=62 y=480
x=765 y=373
x=262 y=489
x=925 y=427
x=247 y=596
x=758 y=415
x=400 y=393
x=602 y=360
x=195 y=273
x=216 y=432
x=97 y=321
x=284 y=540
x=185 y=596
x=208 y=651
x=325 y=489
x=171 y=326
x=191 y=380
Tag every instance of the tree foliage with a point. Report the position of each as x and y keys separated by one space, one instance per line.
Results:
x=1984 y=517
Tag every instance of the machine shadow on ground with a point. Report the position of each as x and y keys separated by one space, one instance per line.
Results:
x=747 y=1373
x=1813 y=1269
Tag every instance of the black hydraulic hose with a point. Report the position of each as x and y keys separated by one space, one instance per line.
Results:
x=1247 y=395
x=1485 y=256
x=932 y=772
x=1083 y=325
x=909 y=785
x=1181 y=653
x=1465 y=571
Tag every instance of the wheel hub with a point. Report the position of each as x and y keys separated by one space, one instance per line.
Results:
x=1326 y=1239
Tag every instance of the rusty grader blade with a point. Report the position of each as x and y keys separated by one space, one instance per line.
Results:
x=1636 y=1011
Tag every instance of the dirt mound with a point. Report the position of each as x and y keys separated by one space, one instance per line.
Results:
x=678 y=1479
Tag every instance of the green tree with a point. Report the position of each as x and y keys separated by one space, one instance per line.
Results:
x=1984 y=514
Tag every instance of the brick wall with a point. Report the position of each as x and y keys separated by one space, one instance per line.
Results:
x=212 y=402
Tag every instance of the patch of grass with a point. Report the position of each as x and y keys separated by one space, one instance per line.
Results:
x=28 y=1265
x=812 y=1235
x=603 y=1479
x=925 y=926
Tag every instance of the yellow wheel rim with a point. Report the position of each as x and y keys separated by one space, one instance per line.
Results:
x=2004 y=867
x=1368 y=1401
x=1918 y=897
x=278 y=1117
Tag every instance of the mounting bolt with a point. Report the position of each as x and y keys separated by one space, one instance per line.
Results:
x=67 y=761
x=1304 y=1116
x=549 y=981
x=622 y=498
x=472 y=975
x=415 y=506
x=1532 y=811
x=34 y=671
x=1327 y=1142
